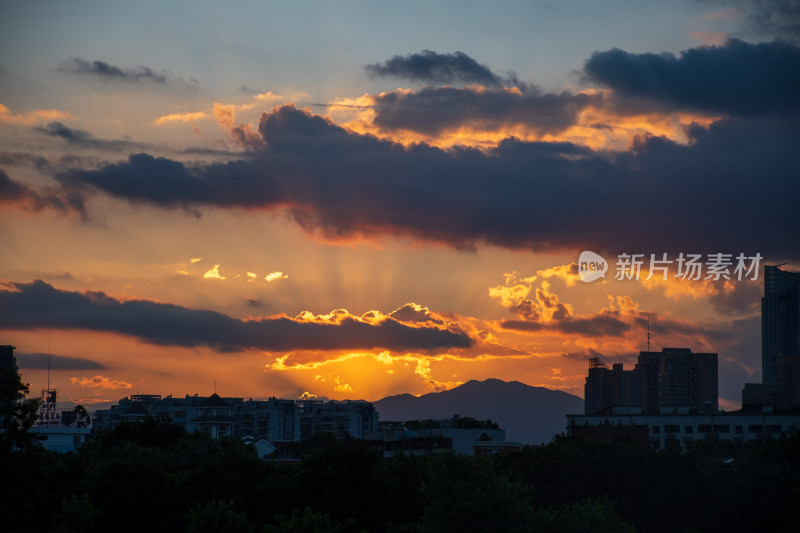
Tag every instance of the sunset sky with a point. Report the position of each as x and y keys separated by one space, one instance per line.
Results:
x=357 y=199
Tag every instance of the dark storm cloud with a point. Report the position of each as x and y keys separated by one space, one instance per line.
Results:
x=144 y=178
x=432 y=67
x=434 y=110
x=50 y=165
x=737 y=78
x=600 y=325
x=39 y=361
x=733 y=188
x=84 y=139
x=108 y=73
x=414 y=314
x=774 y=17
x=73 y=136
x=40 y=305
x=613 y=323
x=76 y=65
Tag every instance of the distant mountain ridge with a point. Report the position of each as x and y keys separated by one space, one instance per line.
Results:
x=530 y=415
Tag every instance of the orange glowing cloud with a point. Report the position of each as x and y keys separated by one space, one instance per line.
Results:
x=604 y=129
x=273 y=99
x=338 y=384
x=100 y=382
x=91 y=401
x=180 y=117
x=276 y=276
x=358 y=115
x=225 y=115
x=7 y=117
x=213 y=274
x=617 y=328
x=679 y=288
x=242 y=133
x=567 y=273
x=368 y=375
x=513 y=291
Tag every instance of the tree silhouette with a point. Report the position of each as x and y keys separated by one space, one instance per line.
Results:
x=17 y=413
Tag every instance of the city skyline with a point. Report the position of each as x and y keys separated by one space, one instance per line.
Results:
x=365 y=201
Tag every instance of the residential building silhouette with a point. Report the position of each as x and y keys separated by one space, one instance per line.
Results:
x=672 y=380
x=275 y=420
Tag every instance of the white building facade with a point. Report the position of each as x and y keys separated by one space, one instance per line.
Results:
x=684 y=429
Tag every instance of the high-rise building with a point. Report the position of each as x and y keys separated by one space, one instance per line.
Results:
x=780 y=343
x=687 y=381
x=648 y=367
x=780 y=320
x=672 y=380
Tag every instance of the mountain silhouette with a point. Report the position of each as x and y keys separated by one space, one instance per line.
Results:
x=530 y=415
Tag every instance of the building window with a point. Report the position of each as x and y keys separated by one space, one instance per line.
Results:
x=704 y=428
x=672 y=428
x=739 y=430
x=656 y=430
x=722 y=428
x=755 y=428
x=773 y=428
x=687 y=430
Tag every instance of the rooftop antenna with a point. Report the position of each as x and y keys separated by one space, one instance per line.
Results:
x=648 y=331
x=48 y=407
x=215 y=386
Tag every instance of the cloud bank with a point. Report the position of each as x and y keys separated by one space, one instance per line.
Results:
x=733 y=181
x=105 y=71
x=41 y=361
x=436 y=68
x=524 y=195
x=40 y=305
x=738 y=78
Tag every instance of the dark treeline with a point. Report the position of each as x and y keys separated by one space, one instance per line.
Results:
x=154 y=476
